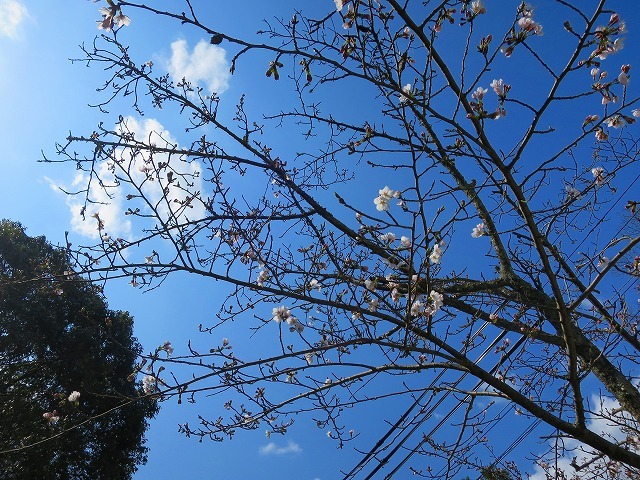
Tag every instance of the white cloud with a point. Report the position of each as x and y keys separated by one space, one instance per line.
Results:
x=272 y=449
x=12 y=14
x=109 y=209
x=206 y=66
x=111 y=203
x=601 y=424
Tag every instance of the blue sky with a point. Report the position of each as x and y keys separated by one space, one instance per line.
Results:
x=45 y=96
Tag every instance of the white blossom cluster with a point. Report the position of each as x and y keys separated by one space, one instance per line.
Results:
x=283 y=314
x=149 y=384
x=429 y=307
x=384 y=197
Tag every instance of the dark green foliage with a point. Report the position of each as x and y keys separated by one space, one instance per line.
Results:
x=57 y=336
x=496 y=473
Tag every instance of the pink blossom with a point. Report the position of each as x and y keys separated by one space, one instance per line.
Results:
x=616 y=121
x=477 y=8
x=479 y=93
x=51 y=417
x=529 y=25
x=498 y=87
x=601 y=135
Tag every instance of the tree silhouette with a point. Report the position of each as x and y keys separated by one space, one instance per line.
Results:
x=425 y=216
x=69 y=409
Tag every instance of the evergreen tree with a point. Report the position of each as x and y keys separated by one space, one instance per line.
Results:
x=58 y=337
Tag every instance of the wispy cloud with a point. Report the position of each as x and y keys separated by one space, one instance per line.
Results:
x=12 y=15
x=108 y=195
x=205 y=66
x=272 y=448
x=601 y=422
x=108 y=205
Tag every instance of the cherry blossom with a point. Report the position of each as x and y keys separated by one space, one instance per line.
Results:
x=590 y=119
x=479 y=93
x=339 y=5
x=598 y=175
x=529 y=25
x=166 y=346
x=387 y=238
x=624 y=77
x=604 y=36
x=404 y=97
x=636 y=112
x=526 y=22
x=500 y=87
x=74 y=396
x=436 y=254
x=416 y=308
x=616 y=121
x=384 y=197
x=112 y=16
x=149 y=384
x=280 y=314
x=615 y=47
x=51 y=417
x=405 y=241
x=121 y=20
x=477 y=8
x=437 y=299
x=349 y=17
x=373 y=305
x=294 y=324
x=395 y=295
x=608 y=97
x=263 y=276
x=601 y=135
x=572 y=192
x=478 y=230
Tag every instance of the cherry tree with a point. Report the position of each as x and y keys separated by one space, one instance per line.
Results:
x=412 y=203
